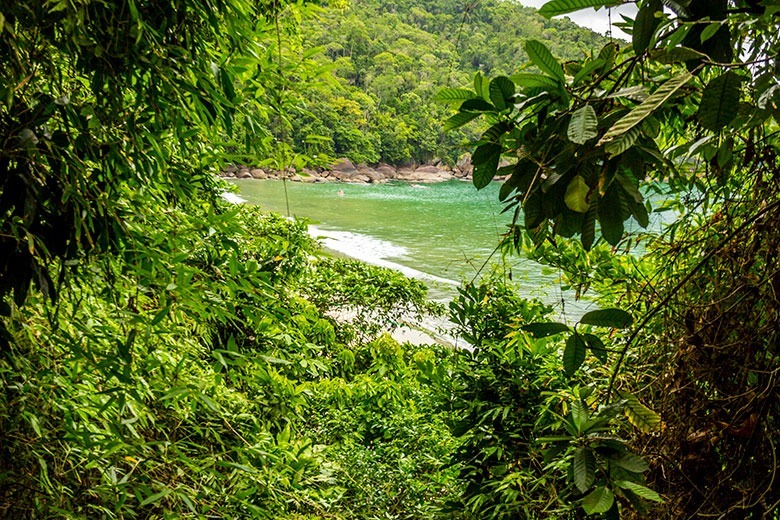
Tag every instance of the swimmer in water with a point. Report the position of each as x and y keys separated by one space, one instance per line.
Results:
x=341 y=193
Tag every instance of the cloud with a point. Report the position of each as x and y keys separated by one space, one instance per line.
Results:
x=597 y=21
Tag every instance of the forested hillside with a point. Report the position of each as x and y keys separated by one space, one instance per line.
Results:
x=390 y=58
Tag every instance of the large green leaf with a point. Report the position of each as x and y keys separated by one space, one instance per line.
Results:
x=640 y=490
x=599 y=500
x=616 y=318
x=573 y=354
x=647 y=107
x=645 y=24
x=611 y=216
x=485 y=161
x=501 y=91
x=622 y=143
x=460 y=119
x=631 y=462
x=589 y=226
x=576 y=197
x=558 y=7
x=583 y=125
x=645 y=419
x=584 y=466
x=720 y=101
x=454 y=96
x=543 y=58
x=530 y=80
x=542 y=330
x=596 y=346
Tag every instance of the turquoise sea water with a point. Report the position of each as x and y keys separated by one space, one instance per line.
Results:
x=442 y=233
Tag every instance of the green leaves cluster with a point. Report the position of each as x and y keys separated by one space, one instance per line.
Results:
x=578 y=139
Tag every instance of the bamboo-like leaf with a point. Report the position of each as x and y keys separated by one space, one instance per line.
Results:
x=573 y=354
x=720 y=101
x=583 y=125
x=542 y=330
x=647 y=107
x=454 y=96
x=599 y=500
x=460 y=119
x=558 y=7
x=584 y=466
x=640 y=415
x=615 y=318
x=639 y=490
x=543 y=58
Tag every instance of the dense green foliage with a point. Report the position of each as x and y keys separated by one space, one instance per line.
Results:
x=692 y=103
x=164 y=354
x=389 y=58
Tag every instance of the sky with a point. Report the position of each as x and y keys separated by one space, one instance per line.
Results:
x=598 y=21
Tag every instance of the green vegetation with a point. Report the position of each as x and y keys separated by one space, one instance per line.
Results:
x=164 y=354
x=692 y=103
x=388 y=59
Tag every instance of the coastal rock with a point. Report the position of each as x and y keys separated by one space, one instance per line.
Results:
x=258 y=173
x=386 y=170
x=343 y=165
x=244 y=174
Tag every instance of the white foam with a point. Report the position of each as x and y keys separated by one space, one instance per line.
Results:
x=233 y=197
x=372 y=251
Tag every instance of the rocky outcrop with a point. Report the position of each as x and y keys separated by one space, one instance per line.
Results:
x=344 y=170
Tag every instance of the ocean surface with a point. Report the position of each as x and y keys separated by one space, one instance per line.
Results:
x=442 y=233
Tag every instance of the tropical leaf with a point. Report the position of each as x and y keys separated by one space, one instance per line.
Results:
x=720 y=101
x=542 y=330
x=616 y=318
x=583 y=125
x=589 y=226
x=558 y=7
x=584 y=466
x=543 y=58
x=647 y=107
x=460 y=119
x=679 y=54
x=589 y=68
x=480 y=85
x=596 y=346
x=501 y=91
x=622 y=143
x=485 y=161
x=599 y=500
x=533 y=210
x=640 y=490
x=640 y=415
x=611 y=216
x=530 y=80
x=576 y=197
x=454 y=96
x=573 y=354
x=645 y=24
x=631 y=462
x=476 y=105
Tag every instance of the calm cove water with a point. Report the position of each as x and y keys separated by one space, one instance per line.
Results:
x=441 y=233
